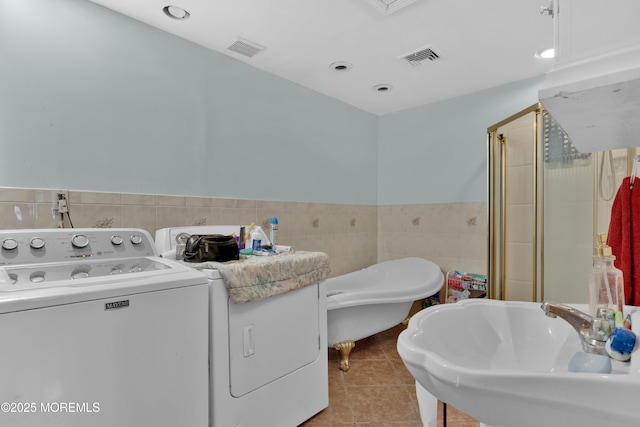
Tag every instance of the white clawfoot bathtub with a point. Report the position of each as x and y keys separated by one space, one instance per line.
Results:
x=376 y=298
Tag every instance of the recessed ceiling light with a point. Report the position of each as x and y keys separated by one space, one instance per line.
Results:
x=340 y=66
x=548 y=53
x=383 y=88
x=176 y=12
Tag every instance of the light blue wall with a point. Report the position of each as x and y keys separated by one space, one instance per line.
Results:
x=437 y=153
x=92 y=100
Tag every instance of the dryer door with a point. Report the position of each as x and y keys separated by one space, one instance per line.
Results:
x=271 y=338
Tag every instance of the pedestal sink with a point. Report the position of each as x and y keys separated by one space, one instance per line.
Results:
x=505 y=364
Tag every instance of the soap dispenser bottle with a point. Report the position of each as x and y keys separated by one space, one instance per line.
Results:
x=606 y=286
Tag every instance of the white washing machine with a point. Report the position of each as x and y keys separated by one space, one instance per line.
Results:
x=268 y=357
x=97 y=331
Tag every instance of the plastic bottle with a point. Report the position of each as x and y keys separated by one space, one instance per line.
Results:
x=256 y=238
x=241 y=238
x=606 y=286
x=273 y=231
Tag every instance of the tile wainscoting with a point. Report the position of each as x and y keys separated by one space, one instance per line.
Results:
x=453 y=235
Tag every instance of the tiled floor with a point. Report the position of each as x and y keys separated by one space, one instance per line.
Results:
x=378 y=391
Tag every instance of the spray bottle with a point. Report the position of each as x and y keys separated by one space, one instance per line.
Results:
x=273 y=230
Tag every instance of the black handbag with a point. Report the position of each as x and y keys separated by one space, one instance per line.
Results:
x=211 y=247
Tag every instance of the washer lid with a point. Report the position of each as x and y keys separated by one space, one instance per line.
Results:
x=144 y=275
x=35 y=276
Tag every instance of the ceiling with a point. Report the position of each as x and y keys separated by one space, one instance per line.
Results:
x=479 y=44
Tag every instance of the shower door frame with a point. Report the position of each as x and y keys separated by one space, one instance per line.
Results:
x=496 y=206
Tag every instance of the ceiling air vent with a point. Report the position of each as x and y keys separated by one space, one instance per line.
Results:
x=246 y=48
x=389 y=6
x=418 y=57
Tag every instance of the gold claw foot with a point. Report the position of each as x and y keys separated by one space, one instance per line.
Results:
x=344 y=347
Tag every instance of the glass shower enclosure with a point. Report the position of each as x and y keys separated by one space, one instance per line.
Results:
x=547 y=203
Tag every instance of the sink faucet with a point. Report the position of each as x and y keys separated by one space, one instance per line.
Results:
x=593 y=331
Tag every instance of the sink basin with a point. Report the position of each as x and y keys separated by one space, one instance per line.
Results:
x=505 y=364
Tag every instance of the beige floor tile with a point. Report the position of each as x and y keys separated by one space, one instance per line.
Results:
x=378 y=391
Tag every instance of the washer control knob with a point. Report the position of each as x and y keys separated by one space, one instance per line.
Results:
x=117 y=269
x=136 y=239
x=80 y=274
x=37 y=243
x=37 y=276
x=9 y=243
x=117 y=240
x=79 y=241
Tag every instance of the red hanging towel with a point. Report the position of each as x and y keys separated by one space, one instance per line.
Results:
x=624 y=237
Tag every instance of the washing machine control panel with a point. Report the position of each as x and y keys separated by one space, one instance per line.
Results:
x=31 y=259
x=62 y=245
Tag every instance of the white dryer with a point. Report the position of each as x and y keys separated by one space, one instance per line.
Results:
x=98 y=331
x=268 y=357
